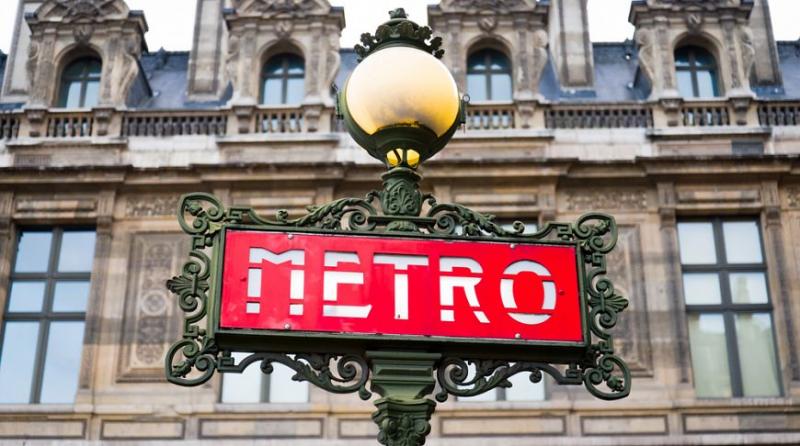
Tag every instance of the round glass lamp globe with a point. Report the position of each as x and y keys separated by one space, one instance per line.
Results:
x=402 y=86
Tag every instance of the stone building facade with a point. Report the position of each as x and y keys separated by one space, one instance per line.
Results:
x=689 y=134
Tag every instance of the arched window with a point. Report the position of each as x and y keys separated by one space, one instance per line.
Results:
x=488 y=76
x=283 y=80
x=80 y=83
x=696 y=71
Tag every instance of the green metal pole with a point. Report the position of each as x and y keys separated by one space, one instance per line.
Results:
x=403 y=379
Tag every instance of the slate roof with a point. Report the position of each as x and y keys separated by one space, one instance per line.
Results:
x=163 y=81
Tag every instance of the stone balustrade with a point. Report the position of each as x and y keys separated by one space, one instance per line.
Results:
x=227 y=122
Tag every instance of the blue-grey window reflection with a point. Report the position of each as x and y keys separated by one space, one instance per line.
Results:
x=41 y=337
x=80 y=83
x=696 y=72
x=489 y=76
x=283 y=80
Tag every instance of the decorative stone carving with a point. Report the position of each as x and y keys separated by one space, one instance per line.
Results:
x=748 y=50
x=150 y=321
x=793 y=197
x=647 y=52
x=485 y=5
x=270 y=8
x=606 y=199
x=106 y=27
x=151 y=205
x=694 y=22
x=626 y=272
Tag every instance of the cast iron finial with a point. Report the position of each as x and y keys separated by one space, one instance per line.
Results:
x=399 y=30
x=398 y=13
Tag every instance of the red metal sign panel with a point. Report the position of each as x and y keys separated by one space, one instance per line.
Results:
x=400 y=286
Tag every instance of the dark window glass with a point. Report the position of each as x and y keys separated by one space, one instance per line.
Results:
x=80 y=83
x=696 y=72
x=283 y=80
x=730 y=315
x=489 y=76
x=42 y=331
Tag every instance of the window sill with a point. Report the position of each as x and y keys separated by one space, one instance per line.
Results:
x=263 y=407
x=46 y=408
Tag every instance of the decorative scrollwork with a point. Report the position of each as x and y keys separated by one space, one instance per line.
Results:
x=453 y=375
x=349 y=374
x=399 y=29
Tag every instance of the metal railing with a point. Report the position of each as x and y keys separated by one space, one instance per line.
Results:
x=779 y=113
x=178 y=123
x=598 y=116
x=490 y=116
x=69 y=124
x=279 y=120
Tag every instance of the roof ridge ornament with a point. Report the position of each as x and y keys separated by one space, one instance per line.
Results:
x=399 y=30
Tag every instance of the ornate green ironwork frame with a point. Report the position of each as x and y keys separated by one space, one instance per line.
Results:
x=342 y=366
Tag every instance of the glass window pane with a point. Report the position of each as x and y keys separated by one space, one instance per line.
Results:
x=742 y=242
x=26 y=297
x=709 y=355
x=93 y=67
x=73 y=97
x=748 y=288
x=703 y=58
x=706 y=84
x=272 y=92
x=477 y=62
x=701 y=288
x=295 y=90
x=682 y=57
x=62 y=363
x=71 y=296
x=696 y=242
x=92 y=93
x=244 y=387
x=476 y=87
x=17 y=361
x=33 y=252
x=522 y=389
x=295 y=64
x=283 y=390
x=77 y=251
x=757 y=354
x=685 y=87
x=501 y=87
x=274 y=66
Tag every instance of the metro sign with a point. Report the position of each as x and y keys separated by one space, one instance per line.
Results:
x=414 y=289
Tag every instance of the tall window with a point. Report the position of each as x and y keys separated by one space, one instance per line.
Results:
x=283 y=80
x=253 y=386
x=729 y=310
x=80 y=83
x=42 y=332
x=488 y=76
x=696 y=70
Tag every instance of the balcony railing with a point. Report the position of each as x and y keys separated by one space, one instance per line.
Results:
x=487 y=117
x=179 y=123
x=9 y=126
x=779 y=113
x=279 y=120
x=490 y=116
x=705 y=114
x=598 y=116
x=69 y=125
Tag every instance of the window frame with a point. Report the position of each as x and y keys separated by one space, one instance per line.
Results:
x=284 y=76
x=727 y=308
x=83 y=79
x=46 y=316
x=487 y=73
x=695 y=68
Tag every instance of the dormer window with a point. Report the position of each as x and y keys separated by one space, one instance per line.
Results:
x=696 y=72
x=80 y=83
x=283 y=80
x=488 y=76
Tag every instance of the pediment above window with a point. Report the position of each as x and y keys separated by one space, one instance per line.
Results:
x=487 y=5
x=286 y=8
x=81 y=10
